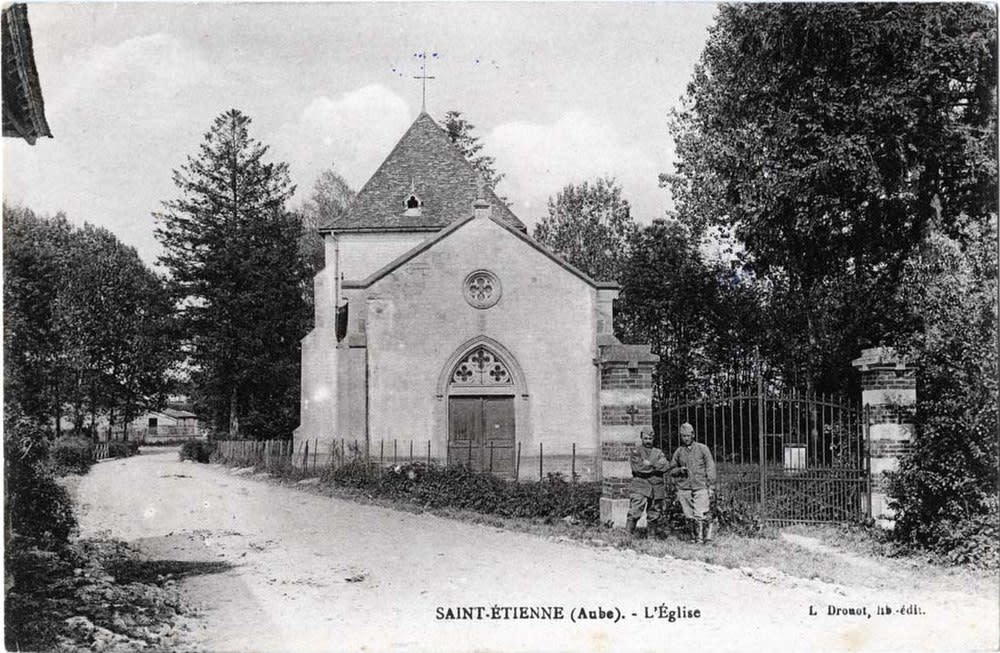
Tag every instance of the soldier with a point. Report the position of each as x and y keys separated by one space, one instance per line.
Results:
x=693 y=468
x=648 y=489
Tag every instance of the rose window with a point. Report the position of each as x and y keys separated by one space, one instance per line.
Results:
x=481 y=367
x=481 y=289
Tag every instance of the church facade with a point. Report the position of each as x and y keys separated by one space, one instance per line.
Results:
x=459 y=335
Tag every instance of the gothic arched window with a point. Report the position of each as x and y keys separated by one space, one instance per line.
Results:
x=481 y=367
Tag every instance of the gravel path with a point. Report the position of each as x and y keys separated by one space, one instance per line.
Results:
x=311 y=573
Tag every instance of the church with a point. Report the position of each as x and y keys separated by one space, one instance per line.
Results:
x=443 y=328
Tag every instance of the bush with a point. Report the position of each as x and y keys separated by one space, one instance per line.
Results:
x=457 y=487
x=72 y=455
x=122 y=448
x=199 y=451
x=37 y=506
x=944 y=492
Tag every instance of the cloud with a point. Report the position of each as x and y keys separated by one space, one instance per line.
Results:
x=140 y=82
x=540 y=159
x=354 y=132
x=114 y=113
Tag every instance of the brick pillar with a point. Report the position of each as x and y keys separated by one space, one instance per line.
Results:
x=626 y=409
x=889 y=393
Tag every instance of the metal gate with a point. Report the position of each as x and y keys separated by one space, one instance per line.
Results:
x=796 y=457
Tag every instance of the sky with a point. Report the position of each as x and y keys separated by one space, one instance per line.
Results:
x=559 y=93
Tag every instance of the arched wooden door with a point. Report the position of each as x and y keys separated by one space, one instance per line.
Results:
x=481 y=419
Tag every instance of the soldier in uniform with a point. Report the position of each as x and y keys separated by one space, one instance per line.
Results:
x=693 y=468
x=648 y=489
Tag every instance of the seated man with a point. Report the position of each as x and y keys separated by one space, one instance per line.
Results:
x=648 y=489
x=693 y=468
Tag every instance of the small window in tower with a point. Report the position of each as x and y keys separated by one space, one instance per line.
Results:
x=413 y=205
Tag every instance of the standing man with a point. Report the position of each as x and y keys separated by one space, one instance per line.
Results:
x=693 y=468
x=648 y=488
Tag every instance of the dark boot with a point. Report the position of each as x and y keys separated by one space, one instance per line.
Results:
x=709 y=531
x=630 y=525
x=700 y=531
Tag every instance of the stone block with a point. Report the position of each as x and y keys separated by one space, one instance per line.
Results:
x=880 y=506
x=616 y=469
x=616 y=512
x=889 y=396
x=893 y=432
x=622 y=432
x=884 y=464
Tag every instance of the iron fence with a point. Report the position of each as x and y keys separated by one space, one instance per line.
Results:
x=796 y=457
x=313 y=456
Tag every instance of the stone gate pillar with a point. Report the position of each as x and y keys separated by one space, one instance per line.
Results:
x=626 y=409
x=889 y=393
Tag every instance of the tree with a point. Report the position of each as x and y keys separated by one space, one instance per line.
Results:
x=695 y=314
x=88 y=325
x=666 y=297
x=238 y=279
x=829 y=137
x=460 y=132
x=945 y=492
x=330 y=197
x=591 y=226
x=34 y=252
x=115 y=319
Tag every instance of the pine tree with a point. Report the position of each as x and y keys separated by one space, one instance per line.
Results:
x=460 y=133
x=238 y=278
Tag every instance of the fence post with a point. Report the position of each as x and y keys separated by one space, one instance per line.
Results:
x=517 y=464
x=470 y=455
x=394 y=460
x=760 y=438
x=572 y=475
x=381 y=453
x=411 y=450
x=428 y=453
x=305 y=456
x=315 y=453
x=491 y=457
x=541 y=457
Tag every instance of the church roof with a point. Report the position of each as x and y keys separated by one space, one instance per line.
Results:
x=425 y=164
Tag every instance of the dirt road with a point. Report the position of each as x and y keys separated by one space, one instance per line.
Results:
x=310 y=573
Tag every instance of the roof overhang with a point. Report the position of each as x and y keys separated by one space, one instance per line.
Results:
x=23 y=107
x=458 y=224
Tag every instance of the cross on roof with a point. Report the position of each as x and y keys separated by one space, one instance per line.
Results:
x=423 y=77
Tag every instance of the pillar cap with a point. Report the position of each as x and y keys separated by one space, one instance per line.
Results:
x=880 y=358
